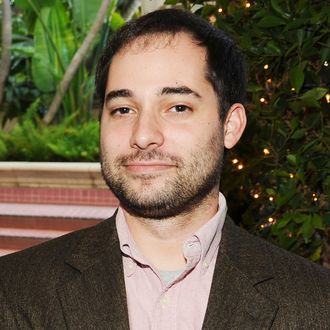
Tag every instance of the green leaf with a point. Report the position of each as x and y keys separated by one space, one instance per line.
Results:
x=270 y=192
x=277 y=8
x=314 y=94
x=84 y=13
x=292 y=159
x=307 y=228
x=270 y=21
x=317 y=222
x=298 y=134
x=254 y=88
x=296 y=77
x=273 y=48
x=54 y=47
x=26 y=4
x=116 y=21
x=316 y=254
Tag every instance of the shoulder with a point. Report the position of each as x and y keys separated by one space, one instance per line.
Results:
x=299 y=287
x=46 y=261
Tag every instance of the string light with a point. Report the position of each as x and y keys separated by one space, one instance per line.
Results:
x=220 y=10
x=212 y=19
x=327 y=97
x=266 y=66
x=326 y=63
x=271 y=198
x=291 y=176
x=262 y=226
x=262 y=100
x=293 y=89
x=247 y=5
x=256 y=195
x=266 y=152
x=315 y=199
x=269 y=80
x=271 y=220
x=235 y=161
x=290 y=234
x=240 y=166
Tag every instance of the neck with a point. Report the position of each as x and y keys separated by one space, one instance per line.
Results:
x=160 y=241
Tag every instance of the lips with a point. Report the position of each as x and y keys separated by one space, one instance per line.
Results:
x=148 y=167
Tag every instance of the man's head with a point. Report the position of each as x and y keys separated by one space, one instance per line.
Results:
x=161 y=138
x=225 y=64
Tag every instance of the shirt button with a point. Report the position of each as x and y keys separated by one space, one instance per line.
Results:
x=164 y=300
x=205 y=264
x=130 y=264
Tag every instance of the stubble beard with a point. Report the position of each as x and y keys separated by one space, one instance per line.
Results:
x=180 y=193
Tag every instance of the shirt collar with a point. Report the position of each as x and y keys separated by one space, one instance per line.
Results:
x=203 y=245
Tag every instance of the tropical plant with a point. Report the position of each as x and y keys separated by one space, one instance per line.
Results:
x=56 y=30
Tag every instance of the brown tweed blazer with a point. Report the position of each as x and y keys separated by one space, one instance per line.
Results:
x=76 y=282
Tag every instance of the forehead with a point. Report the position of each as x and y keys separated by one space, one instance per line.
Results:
x=161 y=56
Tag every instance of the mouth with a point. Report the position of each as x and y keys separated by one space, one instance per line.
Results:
x=148 y=167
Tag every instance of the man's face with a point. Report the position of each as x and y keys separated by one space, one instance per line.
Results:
x=161 y=137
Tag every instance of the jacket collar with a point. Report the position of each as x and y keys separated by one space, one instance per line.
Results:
x=92 y=289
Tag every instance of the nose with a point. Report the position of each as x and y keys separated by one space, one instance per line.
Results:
x=147 y=132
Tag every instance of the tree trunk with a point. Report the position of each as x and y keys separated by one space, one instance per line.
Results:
x=6 y=44
x=75 y=62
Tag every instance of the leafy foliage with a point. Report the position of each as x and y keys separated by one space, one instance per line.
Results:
x=277 y=180
x=31 y=140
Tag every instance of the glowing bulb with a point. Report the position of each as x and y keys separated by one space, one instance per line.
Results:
x=271 y=198
x=315 y=199
x=235 y=161
x=270 y=220
x=262 y=226
x=220 y=10
x=290 y=234
x=212 y=19
x=247 y=5
x=293 y=89
x=256 y=196
x=326 y=63
x=262 y=100
x=266 y=66
x=269 y=80
x=327 y=97
x=291 y=176
x=240 y=166
x=266 y=151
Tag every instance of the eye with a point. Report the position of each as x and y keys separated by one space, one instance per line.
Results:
x=180 y=108
x=122 y=111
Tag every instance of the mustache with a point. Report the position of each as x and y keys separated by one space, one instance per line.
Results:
x=141 y=155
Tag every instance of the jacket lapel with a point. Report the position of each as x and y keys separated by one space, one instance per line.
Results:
x=242 y=271
x=92 y=290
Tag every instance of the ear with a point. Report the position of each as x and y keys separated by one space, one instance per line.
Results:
x=234 y=125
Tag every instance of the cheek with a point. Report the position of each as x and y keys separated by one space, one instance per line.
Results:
x=114 y=138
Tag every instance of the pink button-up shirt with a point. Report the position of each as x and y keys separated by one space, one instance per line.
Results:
x=171 y=300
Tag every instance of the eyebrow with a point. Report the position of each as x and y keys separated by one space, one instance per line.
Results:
x=117 y=94
x=179 y=90
x=164 y=91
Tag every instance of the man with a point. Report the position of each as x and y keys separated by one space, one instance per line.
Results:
x=172 y=89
